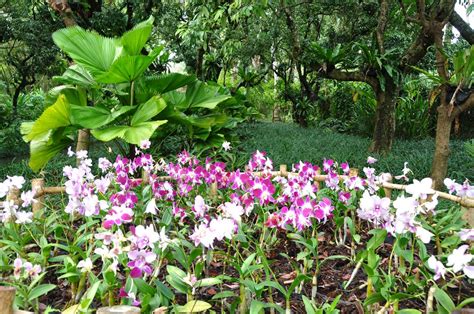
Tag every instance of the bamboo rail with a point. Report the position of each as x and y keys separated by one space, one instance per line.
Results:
x=41 y=190
x=119 y=309
x=7 y=295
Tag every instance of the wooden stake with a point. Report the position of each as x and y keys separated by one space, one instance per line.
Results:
x=7 y=296
x=387 y=178
x=119 y=309
x=37 y=186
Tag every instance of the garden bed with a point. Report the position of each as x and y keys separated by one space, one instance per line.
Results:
x=193 y=235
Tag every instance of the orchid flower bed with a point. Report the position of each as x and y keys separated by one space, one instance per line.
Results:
x=192 y=235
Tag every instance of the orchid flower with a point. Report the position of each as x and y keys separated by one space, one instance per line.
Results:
x=437 y=267
x=459 y=260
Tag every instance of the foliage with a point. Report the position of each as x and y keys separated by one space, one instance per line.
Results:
x=28 y=52
x=314 y=144
x=102 y=61
x=29 y=106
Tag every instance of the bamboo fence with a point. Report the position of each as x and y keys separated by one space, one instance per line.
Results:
x=41 y=190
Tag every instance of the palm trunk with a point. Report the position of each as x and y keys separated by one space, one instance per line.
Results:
x=83 y=141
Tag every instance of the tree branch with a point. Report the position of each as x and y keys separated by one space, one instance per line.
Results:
x=426 y=37
x=357 y=76
x=466 y=105
x=420 y=8
x=464 y=28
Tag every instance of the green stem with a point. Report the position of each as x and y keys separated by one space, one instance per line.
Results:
x=132 y=92
x=243 y=300
x=80 y=288
x=288 y=306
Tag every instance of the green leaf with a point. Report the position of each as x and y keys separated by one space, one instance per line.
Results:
x=126 y=69
x=148 y=110
x=41 y=151
x=89 y=49
x=39 y=291
x=308 y=305
x=76 y=75
x=149 y=86
x=131 y=134
x=95 y=117
x=200 y=95
x=135 y=39
x=206 y=282
x=256 y=307
x=246 y=264
x=194 y=307
x=223 y=295
x=164 y=290
x=143 y=286
x=275 y=285
x=444 y=300
x=379 y=236
x=69 y=275
x=53 y=117
x=408 y=311
x=175 y=271
x=74 y=95
x=89 y=296
x=374 y=298
x=74 y=309
x=295 y=283
x=464 y=303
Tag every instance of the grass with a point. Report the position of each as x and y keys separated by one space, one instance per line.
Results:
x=288 y=144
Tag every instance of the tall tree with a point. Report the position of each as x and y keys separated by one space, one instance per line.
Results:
x=26 y=46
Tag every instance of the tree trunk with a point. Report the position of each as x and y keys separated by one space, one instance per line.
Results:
x=384 y=131
x=439 y=168
x=199 y=62
x=129 y=15
x=16 y=95
x=64 y=10
x=298 y=115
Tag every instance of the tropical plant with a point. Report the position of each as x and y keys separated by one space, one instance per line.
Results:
x=106 y=67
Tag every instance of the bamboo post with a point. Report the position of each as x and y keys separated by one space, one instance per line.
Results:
x=353 y=172
x=283 y=171
x=316 y=182
x=7 y=296
x=119 y=309
x=145 y=177
x=387 y=178
x=469 y=215
x=37 y=186
x=214 y=190
x=13 y=195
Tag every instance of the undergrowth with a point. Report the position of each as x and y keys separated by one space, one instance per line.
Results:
x=289 y=143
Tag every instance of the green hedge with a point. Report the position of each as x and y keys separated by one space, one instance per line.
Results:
x=289 y=143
